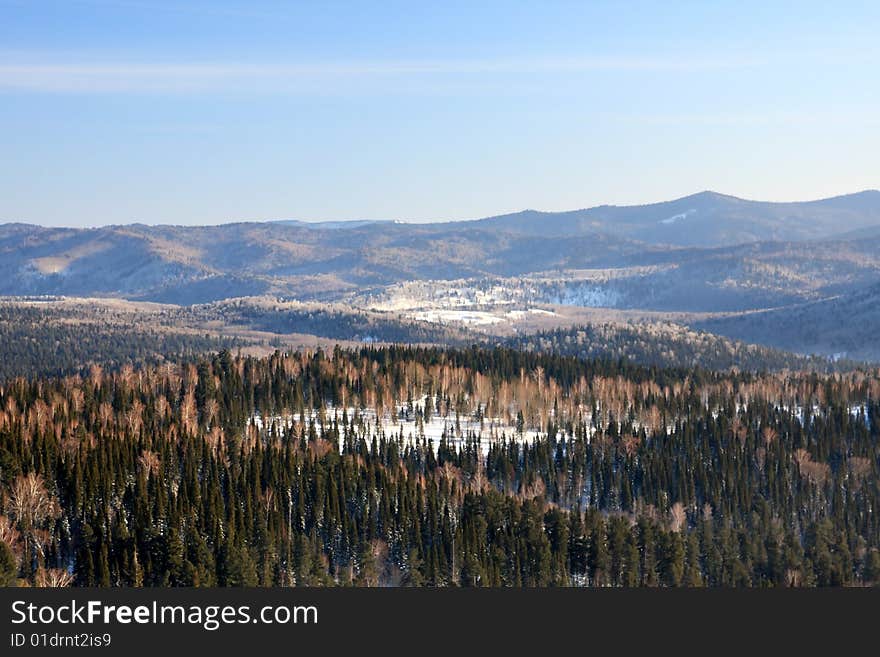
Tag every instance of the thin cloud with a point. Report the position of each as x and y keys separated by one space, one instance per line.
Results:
x=210 y=8
x=849 y=115
x=103 y=77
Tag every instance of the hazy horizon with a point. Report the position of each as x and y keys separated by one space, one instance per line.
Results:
x=423 y=221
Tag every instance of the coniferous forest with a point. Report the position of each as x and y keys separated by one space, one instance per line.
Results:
x=407 y=466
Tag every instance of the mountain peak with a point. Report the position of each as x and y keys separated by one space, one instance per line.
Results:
x=708 y=193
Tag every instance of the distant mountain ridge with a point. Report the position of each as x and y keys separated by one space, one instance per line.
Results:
x=833 y=216
x=799 y=276
x=707 y=219
x=706 y=251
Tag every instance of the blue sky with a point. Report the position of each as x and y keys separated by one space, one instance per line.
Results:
x=118 y=111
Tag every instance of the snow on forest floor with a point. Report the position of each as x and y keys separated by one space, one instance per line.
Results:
x=409 y=425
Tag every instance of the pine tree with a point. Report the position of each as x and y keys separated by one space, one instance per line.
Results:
x=8 y=565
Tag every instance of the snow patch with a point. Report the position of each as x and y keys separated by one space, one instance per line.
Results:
x=407 y=424
x=519 y=314
x=474 y=317
x=677 y=217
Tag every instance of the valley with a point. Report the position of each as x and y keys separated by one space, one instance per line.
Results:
x=707 y=269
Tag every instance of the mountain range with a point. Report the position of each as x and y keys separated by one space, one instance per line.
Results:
x=706 y=219
x=751 y=270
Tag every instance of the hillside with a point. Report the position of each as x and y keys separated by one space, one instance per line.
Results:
x=669 y=345
x=711 y=260
x=737 y=241
x=845 y=326
x=706 y=219
x=68 y=336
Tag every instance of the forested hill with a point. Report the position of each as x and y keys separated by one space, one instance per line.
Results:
x=671 y=345
x=67 y=336
x=406 y=466
x=752 y=254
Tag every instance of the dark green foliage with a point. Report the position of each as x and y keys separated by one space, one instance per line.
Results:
x=670 y=345
x=8 y=566
x=335 y=324
x=637 y=477
x=36 y=341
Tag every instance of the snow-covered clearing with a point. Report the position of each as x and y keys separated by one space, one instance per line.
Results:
x=475 y=317
x=407 y=423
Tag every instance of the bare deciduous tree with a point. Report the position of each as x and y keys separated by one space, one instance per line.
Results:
x=677 y=517
x=148 y=463
x=53 y=578
x=33 y=507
